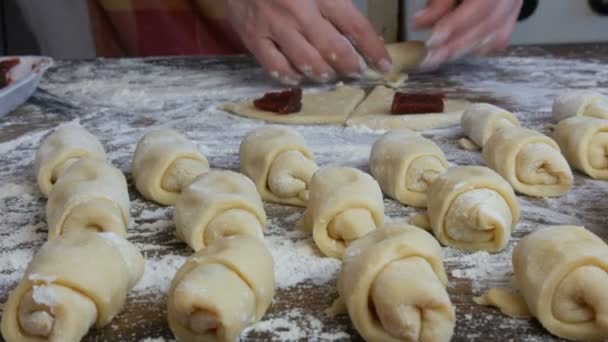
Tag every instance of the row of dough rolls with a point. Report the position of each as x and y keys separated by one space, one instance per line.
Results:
x=279 y=163
x=164 y=163
x=584 y=142
x=84 y=190
x=393 y=285
x=404 y=163
x=218 y=204
x=221 y=289
x=562 y=274
x=473 y=208
x=73 y=283
x=344 y=204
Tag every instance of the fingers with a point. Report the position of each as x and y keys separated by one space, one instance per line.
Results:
x=303 y=56
x=335 y=49
x=274 y=62
x=435 y=10
x=348 y=20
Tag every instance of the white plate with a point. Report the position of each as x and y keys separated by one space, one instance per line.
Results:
x=25 y=77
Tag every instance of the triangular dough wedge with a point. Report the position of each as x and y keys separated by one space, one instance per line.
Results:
x=324 y=107
x=375 y=112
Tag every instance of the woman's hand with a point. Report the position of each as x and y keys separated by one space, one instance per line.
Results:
x=472 y=27
x=311 y=38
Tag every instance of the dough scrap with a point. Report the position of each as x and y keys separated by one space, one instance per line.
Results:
x=530 y=161
x=279 y=163
x=218 y=204
x=507 y=302
x=406 y=58
x=324 y=107
x=76 y=281
x=164 y=162
x=375 y=113
x=584 y=142
x=562 y=273
x=60 y=150
x=91 y=194
x=221 y=290
x=404 y=163
x=473 y=208
x=580 y=103
x=344 y=204
x=393 y=283
x=481 y=120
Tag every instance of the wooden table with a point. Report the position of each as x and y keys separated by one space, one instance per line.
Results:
x=118 y=100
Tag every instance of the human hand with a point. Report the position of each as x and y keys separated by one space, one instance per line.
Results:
x=473 y=27
x=311 y=38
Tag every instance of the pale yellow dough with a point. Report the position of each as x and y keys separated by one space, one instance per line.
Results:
x=562 y=273
x=74 y=282
x=344 y=204
x=584 y=142
x=473 y=208
x=279 y=163
x=324 y=107
x=509 y=303
x=60 y=150
x=482 y=120
x=406 y=58
x=530 y=161
x=580 y=103
x=393 y=284
x=375 y=113
x=404 y=163
x=221 y=290
x=164 y=163
x=90 y=195
x=218 y=204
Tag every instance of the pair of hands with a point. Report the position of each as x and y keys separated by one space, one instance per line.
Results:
x=321 y=39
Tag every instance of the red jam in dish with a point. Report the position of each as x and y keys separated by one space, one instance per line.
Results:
x=417 y=103
x=284 y=102
x=5 y=68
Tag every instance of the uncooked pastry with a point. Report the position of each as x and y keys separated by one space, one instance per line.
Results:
x=218 y=204
x=580 y=103
x=405 y=163
x=344 y=205
x=74 y=282
x=393 y=283
x=60 y=150
x=472 y=207
x=221 y=289
x=406 y=58
x=375 y=113
x=90 y=195
x=482 y=120
x=562 y=274
x=324 y=107
x=509 y=303
x=164 y=163
x=279 y=163
x=530 y=161
x=584 y=142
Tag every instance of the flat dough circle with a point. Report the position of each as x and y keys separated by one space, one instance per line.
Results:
x=375 y=113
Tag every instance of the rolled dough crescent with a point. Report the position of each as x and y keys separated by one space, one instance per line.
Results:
x=325 y=107
x=375 y=112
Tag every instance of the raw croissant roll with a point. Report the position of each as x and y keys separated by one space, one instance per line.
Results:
x=75 y=282
x=472 y=207
x=530 y=161
x=584 y=142
x=221 y=289
x=279 y=163
x=393 y=284
x=481 y=120
x=164 y=163
x=405 y=163
x=60 y=150
x=216 y=205
x=344 y=205
x=562 y=274
x=91 y=195
x=580 y=103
